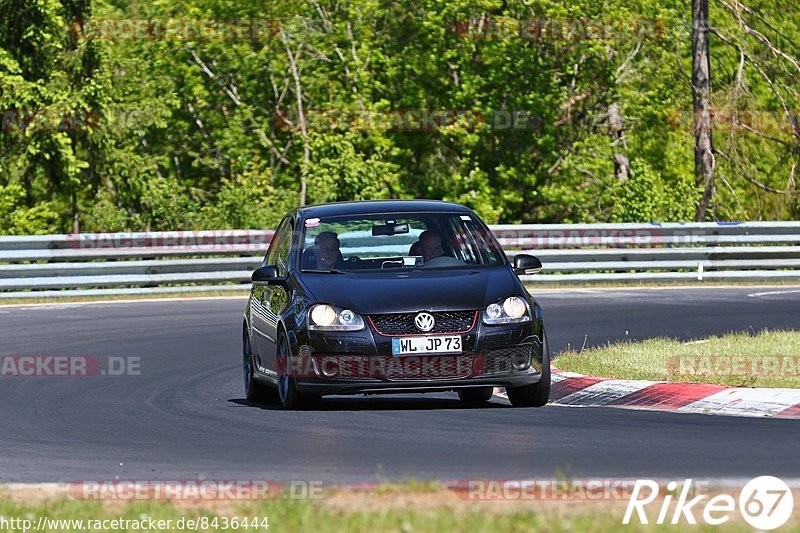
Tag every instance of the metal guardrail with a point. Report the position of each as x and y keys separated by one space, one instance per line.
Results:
x=161 y=262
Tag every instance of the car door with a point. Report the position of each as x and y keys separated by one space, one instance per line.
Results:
x=277 y=296
x=263 y=316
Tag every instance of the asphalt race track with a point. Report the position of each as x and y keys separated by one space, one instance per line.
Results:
x=184 y=416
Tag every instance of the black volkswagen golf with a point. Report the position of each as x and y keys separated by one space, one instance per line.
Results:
x=391 y=296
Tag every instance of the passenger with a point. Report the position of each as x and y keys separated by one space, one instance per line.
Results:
x=430 y=245
x=326 y=250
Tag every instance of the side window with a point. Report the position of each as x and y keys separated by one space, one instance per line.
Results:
x=462 y=242
x=283 y=249
x=269 y=259
x=469 y=243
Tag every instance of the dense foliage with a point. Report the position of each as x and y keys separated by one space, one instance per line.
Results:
x=581 y=113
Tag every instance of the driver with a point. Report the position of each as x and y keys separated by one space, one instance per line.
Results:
x=326 y=249
x=430 y=245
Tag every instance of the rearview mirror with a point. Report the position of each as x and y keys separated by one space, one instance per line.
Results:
x=526 y=264
x=389 y=229
x=267 y=275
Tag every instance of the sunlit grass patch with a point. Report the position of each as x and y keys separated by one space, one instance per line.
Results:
x=766 y=359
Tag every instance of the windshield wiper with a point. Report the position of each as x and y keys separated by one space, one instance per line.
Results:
x=331 y=271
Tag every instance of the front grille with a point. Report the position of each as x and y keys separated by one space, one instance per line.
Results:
x=403 y=323
x=499 y=361
x=425 y=367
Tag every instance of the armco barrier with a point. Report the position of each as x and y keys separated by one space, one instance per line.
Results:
x=199 y=261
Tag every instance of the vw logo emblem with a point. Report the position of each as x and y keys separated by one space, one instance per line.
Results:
x=424 y=321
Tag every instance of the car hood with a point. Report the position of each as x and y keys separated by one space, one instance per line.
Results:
x=399 y=292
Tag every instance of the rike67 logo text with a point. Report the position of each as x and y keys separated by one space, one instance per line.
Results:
x=765 y=503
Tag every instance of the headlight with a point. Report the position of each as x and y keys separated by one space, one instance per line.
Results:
x=323 y=317
x=511 y=310
x=514 y=307
x=494 y=311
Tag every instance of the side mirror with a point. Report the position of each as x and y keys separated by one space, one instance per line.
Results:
x=267 y=275
x=526 y=264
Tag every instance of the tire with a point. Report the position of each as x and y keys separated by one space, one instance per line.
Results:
x=254 y=390
x=288 y=396
x=476 y=395
x=536 y=394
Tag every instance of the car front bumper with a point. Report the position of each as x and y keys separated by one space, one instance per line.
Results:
x=362 y=362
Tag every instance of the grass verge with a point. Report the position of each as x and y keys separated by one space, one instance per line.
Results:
x=767 y=359
x=394 y=510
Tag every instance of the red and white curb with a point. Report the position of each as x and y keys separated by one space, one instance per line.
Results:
x=576 y=390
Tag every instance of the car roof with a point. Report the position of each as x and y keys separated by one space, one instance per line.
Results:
x=381 y=206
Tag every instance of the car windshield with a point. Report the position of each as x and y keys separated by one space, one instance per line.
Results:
x=397 y=241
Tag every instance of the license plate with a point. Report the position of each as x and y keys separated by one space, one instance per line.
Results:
x=425 y=345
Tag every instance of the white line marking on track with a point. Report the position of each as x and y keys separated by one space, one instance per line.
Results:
x=542 y=290
x=770 y=293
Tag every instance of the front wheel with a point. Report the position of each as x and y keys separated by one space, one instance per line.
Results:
x=290 y=397
x=536 y=394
